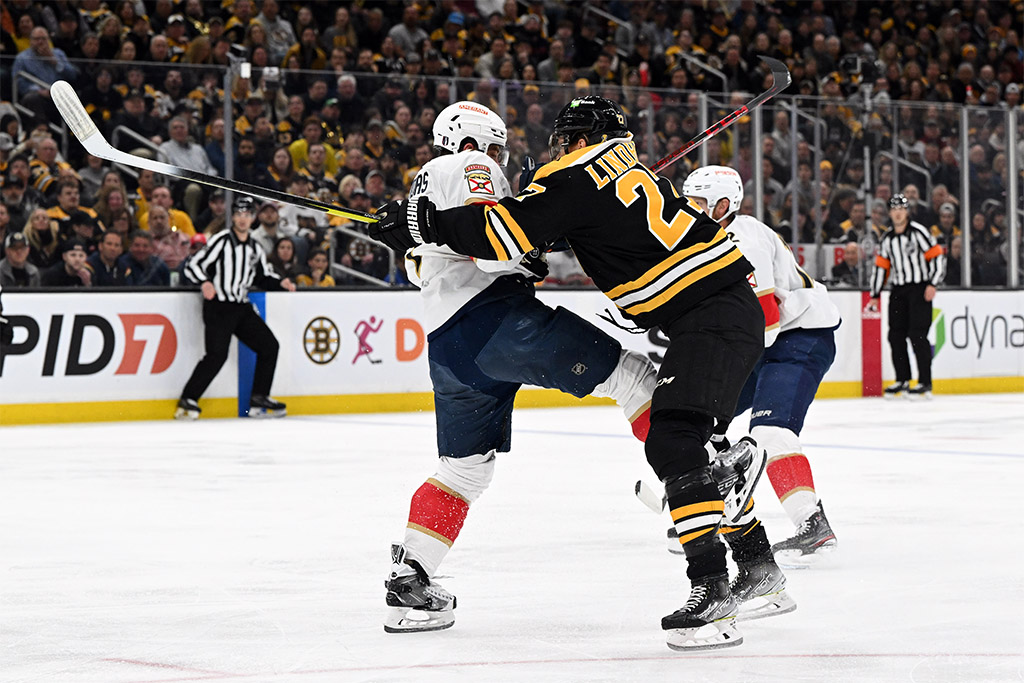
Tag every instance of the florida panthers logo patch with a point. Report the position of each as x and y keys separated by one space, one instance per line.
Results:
x=480 y=182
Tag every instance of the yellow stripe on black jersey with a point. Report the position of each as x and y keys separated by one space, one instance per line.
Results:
x=676 y=274
x=505 y=234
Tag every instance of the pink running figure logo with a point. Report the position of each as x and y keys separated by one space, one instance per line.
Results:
x=362 y=331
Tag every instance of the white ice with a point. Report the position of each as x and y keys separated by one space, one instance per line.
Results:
x=256 y=551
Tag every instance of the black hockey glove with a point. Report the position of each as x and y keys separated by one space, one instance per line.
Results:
x=404 y=225
x=537 y=264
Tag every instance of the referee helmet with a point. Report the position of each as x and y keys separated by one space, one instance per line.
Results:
x=899 y=201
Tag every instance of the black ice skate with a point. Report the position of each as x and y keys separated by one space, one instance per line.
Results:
x=415 y=603
x=736 y=471
x=187 y=410
x=760 y=590
x=920 y=391
x=264 y=406
x=707 y=621
x=813 y=541
x=897 y=390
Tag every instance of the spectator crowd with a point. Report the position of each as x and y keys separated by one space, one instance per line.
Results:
x=342 y=97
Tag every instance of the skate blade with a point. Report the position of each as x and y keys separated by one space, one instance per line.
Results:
x=714 y=636
x=794 y=559
x=406 y=620
x=188 y=415
x=921 y=397
x=766 y=606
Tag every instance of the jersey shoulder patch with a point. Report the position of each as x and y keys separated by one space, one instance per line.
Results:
x=479 y=179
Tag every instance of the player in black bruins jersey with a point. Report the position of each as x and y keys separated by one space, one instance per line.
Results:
x=664 y=263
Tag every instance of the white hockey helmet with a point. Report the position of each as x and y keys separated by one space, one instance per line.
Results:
x=712 y=183
x=462 y=120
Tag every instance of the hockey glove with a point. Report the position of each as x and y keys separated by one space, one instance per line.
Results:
x=404 y=225
x=537 y=264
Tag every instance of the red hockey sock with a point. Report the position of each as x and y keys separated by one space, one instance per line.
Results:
x=438 y=511
x=641 y=424
x=789 y=474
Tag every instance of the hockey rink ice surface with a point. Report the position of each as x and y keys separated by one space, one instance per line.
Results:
x=257 y=550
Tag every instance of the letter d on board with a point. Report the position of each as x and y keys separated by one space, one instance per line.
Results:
x=403 y=352
x=955 y=325
x=75 y=365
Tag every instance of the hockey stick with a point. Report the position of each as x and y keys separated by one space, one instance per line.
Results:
x=649 y=498
x=782 y=79
x=70 y=107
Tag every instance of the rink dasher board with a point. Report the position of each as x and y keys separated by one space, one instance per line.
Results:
x=126 y=355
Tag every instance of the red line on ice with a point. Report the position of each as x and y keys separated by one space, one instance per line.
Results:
x=597 y=660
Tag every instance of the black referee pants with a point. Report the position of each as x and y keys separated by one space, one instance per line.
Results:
x=910 y=316
x=222 y=320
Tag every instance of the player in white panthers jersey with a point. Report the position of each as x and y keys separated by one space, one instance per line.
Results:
x=448 y=280
x=800 y=324
x=790 y=298
x=489 y=335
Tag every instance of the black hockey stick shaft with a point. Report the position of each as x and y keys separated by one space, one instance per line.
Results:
x=782 y=79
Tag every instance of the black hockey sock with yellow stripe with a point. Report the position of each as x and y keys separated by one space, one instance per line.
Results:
x=696 y=508
x=747 y=538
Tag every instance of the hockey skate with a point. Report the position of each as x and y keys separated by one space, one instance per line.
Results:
x=760 y=590
x=187 y=410
x=813 y=542
x=736 y=471
x=264 y=406
x=414 y=602
x=921 y=391
x=897 y=390
x=707 y=621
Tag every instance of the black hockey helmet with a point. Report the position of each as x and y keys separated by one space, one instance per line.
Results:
x=596 y=118
x=243 y=203
x=899 y=201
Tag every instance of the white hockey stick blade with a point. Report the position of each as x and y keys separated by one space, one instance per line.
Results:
x=648 y=497
x=74 y=114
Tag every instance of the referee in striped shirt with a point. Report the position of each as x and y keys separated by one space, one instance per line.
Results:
x=908 y=256
x=225 y=269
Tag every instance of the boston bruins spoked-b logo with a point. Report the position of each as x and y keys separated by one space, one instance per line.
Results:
x=321 y=340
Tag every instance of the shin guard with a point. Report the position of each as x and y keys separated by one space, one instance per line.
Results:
x=789 y=471
x=440 y=506
x=696 y=508
x=747 y=538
